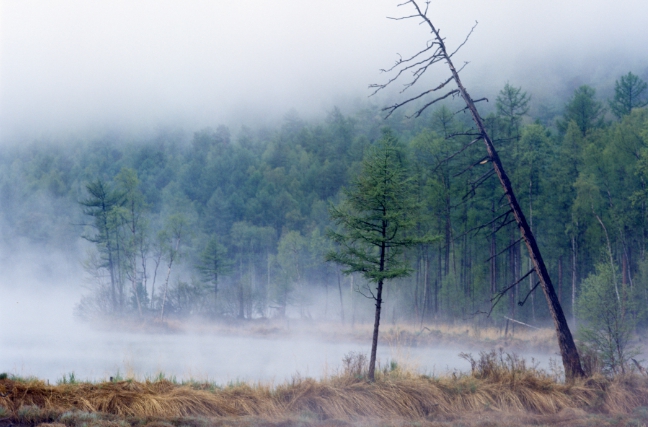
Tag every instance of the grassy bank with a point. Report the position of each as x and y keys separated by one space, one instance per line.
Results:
x=501 y=388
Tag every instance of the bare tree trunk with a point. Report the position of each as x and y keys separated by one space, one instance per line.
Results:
x=157 y=264
x=168 y=275
x=570 y=357
x=560 y=278
x=493 y=258
x=340 y=290
x=378 y=298
x=374 y=341
x=426 y=285
x=573 y=290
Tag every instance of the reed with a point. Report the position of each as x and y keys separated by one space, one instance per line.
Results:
x=498 y=382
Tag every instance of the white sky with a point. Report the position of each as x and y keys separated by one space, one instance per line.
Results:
x=67 y=65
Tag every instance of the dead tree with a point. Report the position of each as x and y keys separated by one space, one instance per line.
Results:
x=418 y=64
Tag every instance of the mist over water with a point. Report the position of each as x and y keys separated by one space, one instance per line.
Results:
x=41 y=337
x=51 y=353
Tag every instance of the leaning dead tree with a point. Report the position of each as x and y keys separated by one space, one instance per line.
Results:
x=418 y=64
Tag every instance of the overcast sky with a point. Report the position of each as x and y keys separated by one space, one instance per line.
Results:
x=69 y=65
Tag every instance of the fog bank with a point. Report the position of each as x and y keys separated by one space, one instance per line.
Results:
x=71 y=65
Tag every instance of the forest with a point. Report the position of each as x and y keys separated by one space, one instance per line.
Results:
x=232 y=224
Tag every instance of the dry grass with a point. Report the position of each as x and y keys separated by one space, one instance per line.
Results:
x=498 y=384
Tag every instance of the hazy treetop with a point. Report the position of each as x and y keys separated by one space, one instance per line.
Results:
x=67 y=65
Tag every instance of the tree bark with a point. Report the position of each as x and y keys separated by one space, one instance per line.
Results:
x=374 y=341
x=340 y=290
x=560 y=278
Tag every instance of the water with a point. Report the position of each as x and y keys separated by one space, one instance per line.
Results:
x=92 y=354
x=39 y=337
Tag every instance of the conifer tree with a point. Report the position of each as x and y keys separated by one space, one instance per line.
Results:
x=374 y=222
x=629 y=93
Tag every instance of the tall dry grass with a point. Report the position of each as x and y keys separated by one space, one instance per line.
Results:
x=498 y=382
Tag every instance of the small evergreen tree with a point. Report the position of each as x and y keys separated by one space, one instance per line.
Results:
x=374 y=222
x=101 y=205
x=214 y=262
x=629 y=93
x=584 y=109
x=511 y=105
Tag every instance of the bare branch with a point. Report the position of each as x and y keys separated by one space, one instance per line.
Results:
x=505 y=249
x=521 y=303
x=418 y=113
x=396 y=106
x=481 y=161
x=504 y=224
x=402 y=17
x=452 y=135
x=476 y=184
x=465 y=40
x=382 y=86
x=497 y=218
x=418 y=73
x=501 y=293
x=357 y=289
x=483 y=178
x=447 y=159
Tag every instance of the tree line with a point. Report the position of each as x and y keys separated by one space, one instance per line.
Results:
x=227 y=226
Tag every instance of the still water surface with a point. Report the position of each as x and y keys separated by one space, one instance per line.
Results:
x=39 y=337
x=99 y=354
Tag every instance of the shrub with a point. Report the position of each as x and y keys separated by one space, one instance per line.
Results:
x=610 y=315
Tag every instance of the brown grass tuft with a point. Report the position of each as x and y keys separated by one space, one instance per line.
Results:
x=499 y=383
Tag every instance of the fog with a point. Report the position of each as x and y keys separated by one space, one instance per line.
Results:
x=69 y=66
x=75 y=67
x=41 y=337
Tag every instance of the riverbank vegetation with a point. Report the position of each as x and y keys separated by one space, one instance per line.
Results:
x=501 y=389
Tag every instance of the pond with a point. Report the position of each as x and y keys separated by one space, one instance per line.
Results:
x=40 y=337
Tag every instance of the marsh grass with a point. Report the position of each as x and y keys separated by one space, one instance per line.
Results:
x=499 y=383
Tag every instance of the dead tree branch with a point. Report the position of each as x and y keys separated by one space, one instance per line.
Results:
x=570 y=357
x=501 y=294
x=521 y=303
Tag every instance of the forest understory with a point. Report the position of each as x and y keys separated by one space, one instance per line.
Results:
x=501 y=390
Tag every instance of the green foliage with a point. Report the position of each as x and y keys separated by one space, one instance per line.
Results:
x=629 y=93
x=376 y=216
x=610 y=313
x=511 y=105
x=292 y=253
x=256 y=199
x=68 y=379
x=584 y=109
x=214 y=262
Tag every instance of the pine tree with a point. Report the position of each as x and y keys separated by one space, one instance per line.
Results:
x=374 y=221
x=584 y=109
x=629 y=93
